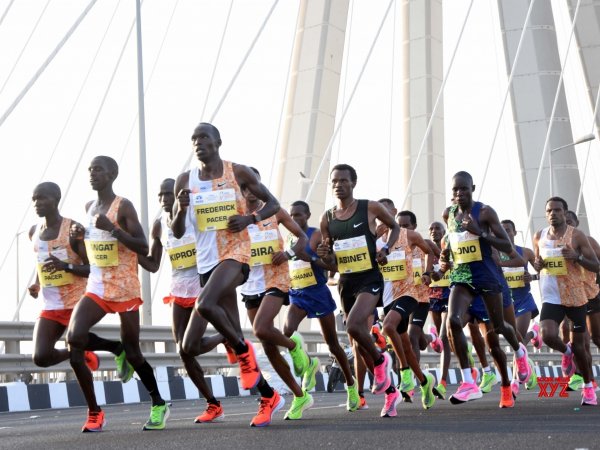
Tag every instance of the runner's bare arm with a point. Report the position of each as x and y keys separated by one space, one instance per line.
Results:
x=497 y=236
x=151 y=262
x=129 y=231
x=325 y=249
x=586 y=257
x=299 y=247
x=182 y=202
x=380 y=212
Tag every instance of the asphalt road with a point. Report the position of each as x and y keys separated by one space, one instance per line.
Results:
x=534 y=422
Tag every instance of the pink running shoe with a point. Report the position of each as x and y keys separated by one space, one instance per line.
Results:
x=588 y=396
x=566 y=364
x=389 y=407
x=537 y=340
x=436 y=345
x=382 y=375
x=523 y=367
x=466 y=392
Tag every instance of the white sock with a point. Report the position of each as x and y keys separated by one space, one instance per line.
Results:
x=487 y=369
x=534 y=333
x=520 y=352
x=588 y=385
x=568 y=351
x=466 y=375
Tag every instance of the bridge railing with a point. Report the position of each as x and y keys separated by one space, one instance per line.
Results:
x=160 y=351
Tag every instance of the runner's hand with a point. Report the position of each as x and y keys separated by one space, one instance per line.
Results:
x=102 y=222
x=183 y=199
x=238 y=223
x=470 y=224
x=34 y=290
x=52 y=264
x=76 y=232
x=538 y=263
x=570 y=253
x=279 y=258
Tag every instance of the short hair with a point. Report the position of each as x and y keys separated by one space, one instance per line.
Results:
x=463 y=174
x=559 y=199
x=50 y=188
x=111 y=164
x=303 y=204
x=572 y=214
x=255 y=170
x=509 y=222
x=386 y=200
x=349 y=168
x=411 y=215
x=214 y=129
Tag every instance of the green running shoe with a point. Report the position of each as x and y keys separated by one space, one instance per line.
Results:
x=299 y=404
x=407 y=382
x=353 y=402
x=532 y=383
x=487 y=382
x=427 y=396
x=470 y=354
x=441 y=391
x=124 y=369
x=575 y=382
x=309 y=379
x=158 y=417
x=299 y=356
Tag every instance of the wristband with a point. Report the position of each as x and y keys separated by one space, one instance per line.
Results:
x=114 y=232
x=386 y=249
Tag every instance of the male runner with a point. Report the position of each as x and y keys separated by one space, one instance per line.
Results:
x=561 y=251
x=211 y=196
x=185 y=288
x=62 y=271
x=473 y=228
x=113 y=239
x=310 y=297
x=349 y=232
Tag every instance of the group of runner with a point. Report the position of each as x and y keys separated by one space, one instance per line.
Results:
x=220 y=229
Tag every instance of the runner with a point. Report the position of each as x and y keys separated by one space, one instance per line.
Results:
x=404 y=307
x=113 y=239
x=310 y=297
x=348 y=238
x=473 y=229
x=560 y=253
x=185 y=288
x=62 y=271
x=210 y=195
x=266 y=291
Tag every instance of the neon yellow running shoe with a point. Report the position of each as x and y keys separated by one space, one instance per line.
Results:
x=299 y=404
x=124 y=369
x=299 y=356
x=158 y=417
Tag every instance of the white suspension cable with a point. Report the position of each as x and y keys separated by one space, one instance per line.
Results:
x=527 y=236
x=389 y=183
x=345 y=85
x=37 y=22
x=235 y=75
x=587 y=156
x=214 y=71
x=6 y=11
x=282 y=109
x=347 y=106
x=506 y=93
x=46 y=63
x=435 y=107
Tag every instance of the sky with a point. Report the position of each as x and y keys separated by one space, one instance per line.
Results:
x=84 y=104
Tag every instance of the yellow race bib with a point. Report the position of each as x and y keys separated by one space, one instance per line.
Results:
x=102 y=249
x=182 y=252
x=395 y=269
x=301 y=274
x=58 y=278
x=417 y=269
x=213 y=209
x=514 y=276
x=263 y=245
x=352 y=255
x=554 y=262
x=465 y=247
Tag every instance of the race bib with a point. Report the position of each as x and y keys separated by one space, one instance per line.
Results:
x=214 y=208
x=182 y=252
x=514 y=276
x=352 y=255
x=465 y=247
x=263 y=245
x=301 y=274
x=417 y=269
x=102 y=248
x=58 y=278
x=554 y=262
x=395 y=269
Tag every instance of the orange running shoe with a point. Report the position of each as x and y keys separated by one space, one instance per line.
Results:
x=95 y=422
x=231 y=356
x=91 y=360
x=379 y=338
x=363 y=404
x=506 y=397
x=249 y=371
x=213 y=413
x=267 y=407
